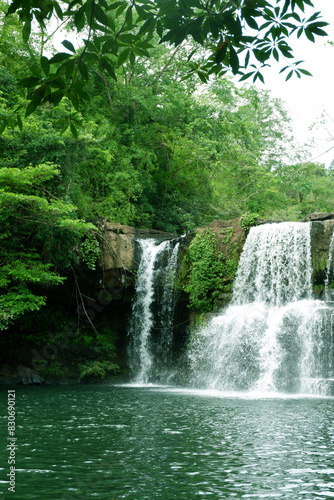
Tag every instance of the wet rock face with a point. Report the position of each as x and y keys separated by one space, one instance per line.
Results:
x=319 y=216
x=321 y=234
x=228 y=234
x=118 y=247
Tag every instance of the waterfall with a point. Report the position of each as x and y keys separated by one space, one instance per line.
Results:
x=151 y=325
x=166 y=300
x=275 y=266
x=273 y=336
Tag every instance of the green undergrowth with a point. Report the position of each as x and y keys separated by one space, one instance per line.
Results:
x=249 y=220
x=97 y=369
x=54 y=369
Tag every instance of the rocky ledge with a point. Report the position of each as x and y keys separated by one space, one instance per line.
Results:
x=119 y=244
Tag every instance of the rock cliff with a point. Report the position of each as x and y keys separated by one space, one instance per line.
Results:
x=119 y=244
x=321 y=234
x=119 y=260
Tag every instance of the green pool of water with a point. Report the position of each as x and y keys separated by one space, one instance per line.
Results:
x=136 y=443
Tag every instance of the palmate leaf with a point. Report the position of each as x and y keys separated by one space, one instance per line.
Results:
x=58 y=10
x=259 y=76
x=251 y=22
x=305 y=72
x=115 y=5
x=148 y=26
x=29 y=82
x=3 y=126
x=246 y=76
x=79 y=18
x=83 y=70
x=309 y=35
x=108 y=44
x=317 y=31
x=289 y=75
x=100 y=14
x=123 y=56
x=15 y=5
x=19 y=121
x=104 y=64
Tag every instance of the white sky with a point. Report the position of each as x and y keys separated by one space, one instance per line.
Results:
x=306 y=98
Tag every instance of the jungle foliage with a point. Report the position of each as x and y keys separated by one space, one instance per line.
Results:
x=210 y=274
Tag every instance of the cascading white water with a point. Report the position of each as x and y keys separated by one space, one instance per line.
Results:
x=142 y=316
x=151 y=330
x=275 y=266
x=166 y=306
x=273 y=336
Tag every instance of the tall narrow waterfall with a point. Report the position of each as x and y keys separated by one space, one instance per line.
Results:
x=151 y=332
x=273 y=337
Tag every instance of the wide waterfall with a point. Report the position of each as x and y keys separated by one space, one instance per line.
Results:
x=151 y=326
x=273 y=336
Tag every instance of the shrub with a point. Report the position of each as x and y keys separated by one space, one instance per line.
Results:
x=98 y=369
x=206 y=272
x=249 y=220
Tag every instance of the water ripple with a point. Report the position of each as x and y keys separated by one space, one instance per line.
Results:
x=149 y=444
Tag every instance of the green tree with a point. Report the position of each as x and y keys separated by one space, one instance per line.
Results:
x=206 y=273
x=252 y=138
x=307 y=187
x=38 y=235
x=16 y=56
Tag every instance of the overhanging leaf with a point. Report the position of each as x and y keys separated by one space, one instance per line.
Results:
x=234 y=60
x=59 y=57
x=26 y=30
x=29 y=82
x=68 y=45
x=45 y=65
x=19 y=122
x=83 y=70
x=31 y=107
x=221 y=51
x=14 y=6
x=74 y=130
x=289 y=76
x=3 y=125
x=100 y=15
x=123 y=56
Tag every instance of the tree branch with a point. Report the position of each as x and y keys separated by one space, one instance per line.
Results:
x=168 y=62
